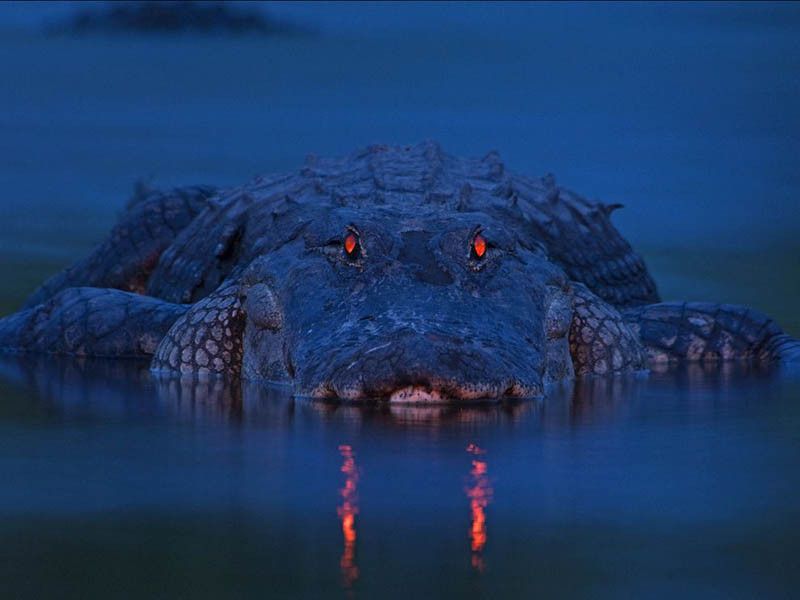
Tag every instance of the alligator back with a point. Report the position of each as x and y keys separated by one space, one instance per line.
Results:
x=269 y=212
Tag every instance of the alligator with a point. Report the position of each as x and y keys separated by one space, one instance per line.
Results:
x=400 y=274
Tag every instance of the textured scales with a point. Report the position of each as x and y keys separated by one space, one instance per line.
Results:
x=397 y=273
x=248 y=221
x=600 y=340
x=698 y=331
x=206 y=338
x=88 y=321
x=127 y=257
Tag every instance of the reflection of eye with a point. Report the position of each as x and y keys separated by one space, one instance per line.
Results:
x=478 y=246
x=352 y=247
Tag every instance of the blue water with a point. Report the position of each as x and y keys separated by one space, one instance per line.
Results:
x=681 y=483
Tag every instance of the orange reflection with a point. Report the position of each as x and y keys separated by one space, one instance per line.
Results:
x=480 y=495
x=347 y=512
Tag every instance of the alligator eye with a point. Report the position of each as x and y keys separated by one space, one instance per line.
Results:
x=352 y=248
x=478 y=246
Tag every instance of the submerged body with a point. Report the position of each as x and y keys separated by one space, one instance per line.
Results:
x=402 y=274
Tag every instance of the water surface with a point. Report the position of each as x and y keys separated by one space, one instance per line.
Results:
x=683 y=482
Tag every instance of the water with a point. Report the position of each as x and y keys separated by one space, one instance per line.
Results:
x=680 y=483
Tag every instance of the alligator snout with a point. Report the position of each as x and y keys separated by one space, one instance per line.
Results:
x=424 y=369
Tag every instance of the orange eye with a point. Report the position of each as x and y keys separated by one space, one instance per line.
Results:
x=479 y=246
x=351 y=245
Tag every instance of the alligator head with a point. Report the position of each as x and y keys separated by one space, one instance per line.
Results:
x=403 y=307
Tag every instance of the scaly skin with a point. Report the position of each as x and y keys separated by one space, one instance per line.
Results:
x=127 y=257
x=703 y=332
x=600 y=340
x=91 y=322
x=257 y=282
x=207 y=338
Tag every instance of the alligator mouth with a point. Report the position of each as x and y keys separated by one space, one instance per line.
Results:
x=413 y=361
x=415 y=394
x=427 y=395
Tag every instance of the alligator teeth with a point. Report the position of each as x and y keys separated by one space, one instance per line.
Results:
x=415 y=394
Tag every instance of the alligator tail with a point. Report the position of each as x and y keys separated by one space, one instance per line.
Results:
x=90 y=322
x=697 y=331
